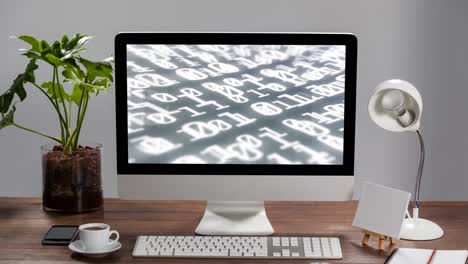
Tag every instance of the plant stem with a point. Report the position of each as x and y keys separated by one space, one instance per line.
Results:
x=83 y=113
x=74 y=135
x=61 y=120
x=36 y=132
x=63 y=124
x=63 y=101
x=70 y=111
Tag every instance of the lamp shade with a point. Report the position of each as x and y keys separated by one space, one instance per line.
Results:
x=411 y=101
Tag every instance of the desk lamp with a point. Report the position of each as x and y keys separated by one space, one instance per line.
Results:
x=396 y=105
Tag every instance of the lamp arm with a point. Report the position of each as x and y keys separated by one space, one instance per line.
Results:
x=422 y=155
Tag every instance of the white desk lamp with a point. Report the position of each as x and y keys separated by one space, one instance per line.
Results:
x=396 y=105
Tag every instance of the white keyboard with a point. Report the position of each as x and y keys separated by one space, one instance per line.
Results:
x=238 y=247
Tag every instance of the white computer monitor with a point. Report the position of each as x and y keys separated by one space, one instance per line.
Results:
x=235 y=119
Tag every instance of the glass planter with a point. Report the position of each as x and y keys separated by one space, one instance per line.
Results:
x=71 y=182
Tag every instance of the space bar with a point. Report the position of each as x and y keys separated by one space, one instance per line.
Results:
x=201 y=254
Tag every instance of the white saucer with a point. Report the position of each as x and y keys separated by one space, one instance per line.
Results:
x=78 y=247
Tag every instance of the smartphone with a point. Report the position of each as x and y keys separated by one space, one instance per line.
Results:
x=60 y=235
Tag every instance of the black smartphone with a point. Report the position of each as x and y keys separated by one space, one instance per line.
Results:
x=60 y=235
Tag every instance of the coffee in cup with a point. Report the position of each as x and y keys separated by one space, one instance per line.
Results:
x=96 y=236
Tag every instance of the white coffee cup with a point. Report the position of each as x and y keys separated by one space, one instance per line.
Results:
x=96 y=236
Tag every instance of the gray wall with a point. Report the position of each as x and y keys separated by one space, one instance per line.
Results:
x=423 y=42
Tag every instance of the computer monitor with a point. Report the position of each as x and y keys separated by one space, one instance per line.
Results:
x=235 y=119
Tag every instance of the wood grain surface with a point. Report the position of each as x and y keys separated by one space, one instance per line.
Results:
x=23 y=224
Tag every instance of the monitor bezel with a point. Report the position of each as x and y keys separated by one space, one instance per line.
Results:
x=124 y=39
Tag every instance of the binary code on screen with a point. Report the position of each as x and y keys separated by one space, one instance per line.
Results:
x=235 y=104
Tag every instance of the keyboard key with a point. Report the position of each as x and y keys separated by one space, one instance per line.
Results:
x=325 y=242
x=335 y=246
x=276 y=242
x=294 y=242
x=166 y=252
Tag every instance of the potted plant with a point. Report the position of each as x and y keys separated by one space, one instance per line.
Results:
x=71 y=171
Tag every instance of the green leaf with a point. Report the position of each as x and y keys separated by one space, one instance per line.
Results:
x=72 y=43
x=8 y=119
x=90 y=88
x=103 y=84
x=56 y=46
x=83 y=41
x=97 y=69
x=74 y=46
x=52 y=59
x=77 y=94
x=54 y=91
x=77 y=41
x=32 y=55
x=35 y=44
x=18 y=87
x=29 y=72
x=70 y=54
x=64 y=40
x=70 y=62
x=5 y=101
x=73 y=74
x=44 y=45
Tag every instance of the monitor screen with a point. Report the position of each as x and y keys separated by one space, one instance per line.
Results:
x=261 y=104
x=235 y=104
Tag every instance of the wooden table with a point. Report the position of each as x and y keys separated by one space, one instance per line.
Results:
x=23 y=224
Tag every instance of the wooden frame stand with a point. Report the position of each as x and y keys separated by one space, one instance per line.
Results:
x=382 y=239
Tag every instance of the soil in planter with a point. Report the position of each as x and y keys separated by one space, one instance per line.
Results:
x=72 y=183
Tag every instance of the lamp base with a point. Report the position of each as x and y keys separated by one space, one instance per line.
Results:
x=420 y=229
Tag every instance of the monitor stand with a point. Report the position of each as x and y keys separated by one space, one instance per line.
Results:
x=235 y=218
